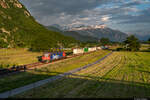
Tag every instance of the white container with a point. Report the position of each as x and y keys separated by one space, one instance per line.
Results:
x=99 y=48
x=92 y=49
x=78 y=51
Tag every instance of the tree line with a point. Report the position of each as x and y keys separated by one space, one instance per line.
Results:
x=130 y=44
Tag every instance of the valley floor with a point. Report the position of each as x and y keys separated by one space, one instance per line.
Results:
x=121 y=75
x=37 y=74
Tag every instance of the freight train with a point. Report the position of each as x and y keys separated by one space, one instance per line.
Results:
x=52 y=56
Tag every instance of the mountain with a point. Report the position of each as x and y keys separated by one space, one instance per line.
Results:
x=100 y=31
x=54 y=28
x=79 y=37
x=73 y=34
x=19 y=29
x=143 y=37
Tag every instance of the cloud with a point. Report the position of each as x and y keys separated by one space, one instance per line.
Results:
x=144 y=17
x=91 y=12
x=105 y=18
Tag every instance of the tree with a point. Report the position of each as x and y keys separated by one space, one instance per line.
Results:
x=149 y=40
x=104 y=41
x=3 y=44
x=132 y=43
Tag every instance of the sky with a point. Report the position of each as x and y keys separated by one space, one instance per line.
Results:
x=130 y=16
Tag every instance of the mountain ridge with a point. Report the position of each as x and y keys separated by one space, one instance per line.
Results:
x=19 y=29
x=113 y=35
x=97 y=32
x=73 y=34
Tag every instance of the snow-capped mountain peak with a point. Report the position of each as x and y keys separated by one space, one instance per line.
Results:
x=88 y=27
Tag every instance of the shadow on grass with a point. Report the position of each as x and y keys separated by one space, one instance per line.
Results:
x=76 y=86
x=21 y=79
x=4 y=72
x=144 y=50
x=89 y=87
x=144 y=71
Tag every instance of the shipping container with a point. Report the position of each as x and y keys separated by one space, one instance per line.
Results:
x=99 y=48
x=61 y=54
x=92 y=49
x=86 y=50
x=55 y=56
x=78 y=51
x=58 y=53
x=51 y=56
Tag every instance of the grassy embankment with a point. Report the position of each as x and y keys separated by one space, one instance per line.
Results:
x=17 y=57
x=123 y=74
x=31 y=76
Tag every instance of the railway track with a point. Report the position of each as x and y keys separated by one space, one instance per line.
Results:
x=23 y=68
x=38 y=64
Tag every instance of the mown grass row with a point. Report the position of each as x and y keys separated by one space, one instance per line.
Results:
x=123 y=74
x=31 y=76
x=66 y=84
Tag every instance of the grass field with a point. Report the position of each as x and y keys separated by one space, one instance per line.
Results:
x=20 y=56
x=122 y=74
x=145 y=47
x=31 y=76
x=17 y=56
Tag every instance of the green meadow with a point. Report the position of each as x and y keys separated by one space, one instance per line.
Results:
x=121 y=75
x=30 y=76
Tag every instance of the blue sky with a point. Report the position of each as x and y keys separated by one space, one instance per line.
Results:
x=130 y=16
